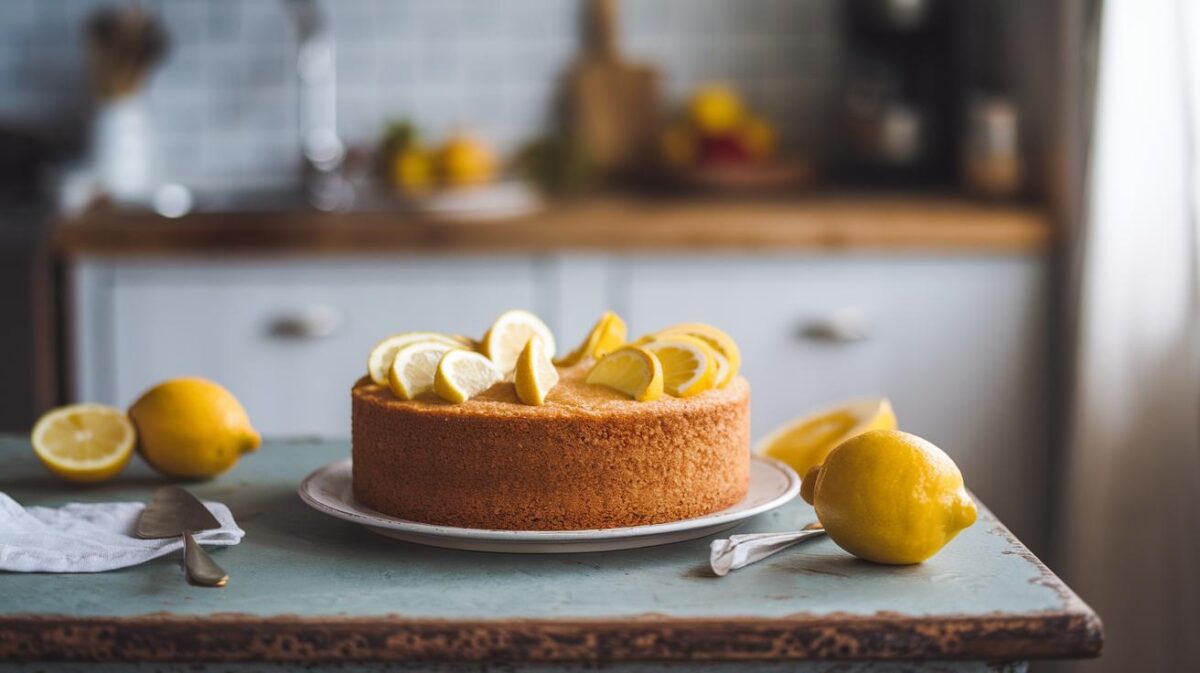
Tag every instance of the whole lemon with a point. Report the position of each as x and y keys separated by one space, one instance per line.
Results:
x=758 y=137
x=192 y=428
x=466 y=160
x=678 y=146
x=889 y=497
x=716 y=109
x=413 y=171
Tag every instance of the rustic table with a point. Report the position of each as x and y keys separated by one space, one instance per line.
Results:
x=310 y=591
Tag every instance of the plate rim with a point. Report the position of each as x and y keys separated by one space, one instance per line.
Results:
x=548 y=536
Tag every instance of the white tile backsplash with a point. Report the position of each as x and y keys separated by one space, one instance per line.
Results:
x=225 y=99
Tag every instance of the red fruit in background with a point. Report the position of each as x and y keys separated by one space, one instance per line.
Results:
x=723 y=149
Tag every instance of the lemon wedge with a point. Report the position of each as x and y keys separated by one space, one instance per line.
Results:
x=508 y=335
x=379 y=362
x=607 y=335
x=536 y=375
x=806 y=441
x=631 y=370
x=689 y=365
x=414 y=367
x=84 y=442
x=463 y=374
x=721 y=342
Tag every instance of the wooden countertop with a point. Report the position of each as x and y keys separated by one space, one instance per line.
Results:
x=815 y=223
x=307 y=588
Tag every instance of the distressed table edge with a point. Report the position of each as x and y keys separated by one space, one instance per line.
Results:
x=248 y=638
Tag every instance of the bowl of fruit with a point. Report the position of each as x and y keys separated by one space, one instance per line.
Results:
x=458 y=179
x=717 y=143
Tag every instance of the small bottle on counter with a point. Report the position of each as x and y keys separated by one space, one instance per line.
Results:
x=991 y=161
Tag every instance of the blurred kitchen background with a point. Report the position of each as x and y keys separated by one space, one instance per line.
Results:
x=257 y=191
x=875 y=197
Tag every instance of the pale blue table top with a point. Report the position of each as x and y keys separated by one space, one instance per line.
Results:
x=305 y=568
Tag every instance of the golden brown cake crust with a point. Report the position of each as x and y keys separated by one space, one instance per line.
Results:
x=588 y=458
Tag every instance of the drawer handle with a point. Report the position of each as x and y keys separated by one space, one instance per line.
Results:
x=845 y=325
x=314 y=322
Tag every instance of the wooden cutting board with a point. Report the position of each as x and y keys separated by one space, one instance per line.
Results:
x=611 y=104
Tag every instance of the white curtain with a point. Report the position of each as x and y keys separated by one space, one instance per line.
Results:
x=1129 y=537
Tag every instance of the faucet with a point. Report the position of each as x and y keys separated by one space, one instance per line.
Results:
x=325 y=184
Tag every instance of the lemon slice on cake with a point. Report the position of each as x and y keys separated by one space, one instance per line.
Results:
x=379 y=362
x=414 y=367
x=631 y=370
x=607 y=335
x=463 y=374
x=535 y=375
x=84 y=442
x=806 y=441
x=689 y=365
x=722 y=343
x=507 y=336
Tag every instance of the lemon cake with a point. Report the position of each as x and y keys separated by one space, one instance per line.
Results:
x=587 y=457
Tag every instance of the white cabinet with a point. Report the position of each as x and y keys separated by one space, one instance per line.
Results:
x=288 y=338
x=957 y=343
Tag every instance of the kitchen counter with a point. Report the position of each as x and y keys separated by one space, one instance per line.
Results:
x=308 y=588
x=939 y=224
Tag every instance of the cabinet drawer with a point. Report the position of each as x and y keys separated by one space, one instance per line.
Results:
x=288 y=338
x=784 y=314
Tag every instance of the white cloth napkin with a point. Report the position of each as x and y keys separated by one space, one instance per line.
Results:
x=90 y=537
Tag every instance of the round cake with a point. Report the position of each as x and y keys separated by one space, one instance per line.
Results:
x=588 y=458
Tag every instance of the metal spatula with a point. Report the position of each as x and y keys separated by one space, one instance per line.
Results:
x=173 y=512
x=739 y=551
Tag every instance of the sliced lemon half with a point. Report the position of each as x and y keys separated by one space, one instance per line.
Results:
x=84 y=442
x=463 y=374
x=379 y=362
x=414 y=367
x=689 y=365
x=807 y=441
x=631 y=370
x=535 y=375
x=607 y=335
x=508 y=335
x=721 y=342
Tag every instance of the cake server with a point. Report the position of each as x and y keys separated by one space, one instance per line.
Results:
x=173 y=512
x=739 y=551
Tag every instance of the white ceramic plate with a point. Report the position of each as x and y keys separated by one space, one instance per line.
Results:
x=329 y=490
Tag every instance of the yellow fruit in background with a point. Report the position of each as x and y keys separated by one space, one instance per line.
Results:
x=716 y=109
x=413 y=171
x=806 y=441
x=84 y=443
x=758 y=137
x=466 y=160
x=889 y=497
x=192 y=428
x=678 y=146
